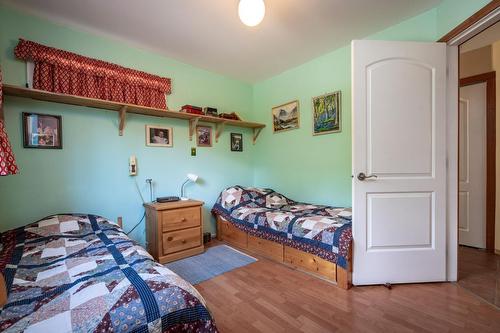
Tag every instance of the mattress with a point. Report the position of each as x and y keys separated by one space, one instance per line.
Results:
x=81 y=273
x=325 y=231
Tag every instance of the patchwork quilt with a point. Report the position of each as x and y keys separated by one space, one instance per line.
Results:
x=321 y=230
x=81 y=273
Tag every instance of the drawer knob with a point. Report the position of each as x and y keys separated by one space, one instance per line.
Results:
x=170 y=238
x=183 y=219
x=184 y=241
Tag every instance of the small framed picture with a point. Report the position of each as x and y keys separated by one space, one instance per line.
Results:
x=159 y=136
x=204 y=136
x=286 y=117
x=42 y=131
x=327 y=113
x=236 y=142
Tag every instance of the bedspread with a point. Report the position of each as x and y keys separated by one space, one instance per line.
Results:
x=321 y=230
x=81 y=273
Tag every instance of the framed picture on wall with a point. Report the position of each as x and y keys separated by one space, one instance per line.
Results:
x=204 y=136
x=327 y=113
x=42 y=131
x=236 y=142
x=286 y=117
x=159 y=136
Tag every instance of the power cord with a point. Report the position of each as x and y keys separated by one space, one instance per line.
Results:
x=138 y=190
x=142 y=218
x=150 y=182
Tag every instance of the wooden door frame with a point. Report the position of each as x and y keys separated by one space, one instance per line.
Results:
x=475 y=24
x=490 y=80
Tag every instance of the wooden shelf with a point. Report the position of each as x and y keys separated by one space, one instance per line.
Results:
x=123 y=109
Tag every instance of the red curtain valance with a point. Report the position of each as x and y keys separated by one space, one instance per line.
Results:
x=7 y=161
x=70 y=73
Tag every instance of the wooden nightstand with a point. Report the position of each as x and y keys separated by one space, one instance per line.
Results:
x=174 y=230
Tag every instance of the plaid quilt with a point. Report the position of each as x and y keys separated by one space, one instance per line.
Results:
x=321 y=230
x=81 y=273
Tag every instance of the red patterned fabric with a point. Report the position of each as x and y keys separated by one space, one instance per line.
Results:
x=7 y=161
x=65 y=72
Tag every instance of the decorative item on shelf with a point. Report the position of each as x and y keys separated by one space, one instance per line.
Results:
x=190 y=178
x=286 y=117
x=236 y=142
x=192 y=109
x=204 y=136
x=91 y=77
x=42 y=131
x=327 y=113
x=210 y=111
x=159 y=136
x=232 y=116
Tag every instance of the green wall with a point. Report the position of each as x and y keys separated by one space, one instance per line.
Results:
x=451 y=13
x=90 y=173
x=318 y=168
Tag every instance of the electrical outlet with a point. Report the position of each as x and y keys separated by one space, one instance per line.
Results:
x=193 y=151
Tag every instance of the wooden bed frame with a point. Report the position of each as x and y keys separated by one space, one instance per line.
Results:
x=289 y=256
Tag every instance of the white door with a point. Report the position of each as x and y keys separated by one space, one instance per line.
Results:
x=472 y=166
x=399 y=144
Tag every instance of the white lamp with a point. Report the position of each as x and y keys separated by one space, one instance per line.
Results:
x=190 y=177
x=251 y=12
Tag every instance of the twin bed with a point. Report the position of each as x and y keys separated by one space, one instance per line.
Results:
x=81 y=273
x=314 y=238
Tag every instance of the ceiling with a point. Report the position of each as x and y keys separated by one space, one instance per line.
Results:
x=485 y=38
x=208 y=33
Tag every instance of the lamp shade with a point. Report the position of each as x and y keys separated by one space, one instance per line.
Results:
x=192 y=177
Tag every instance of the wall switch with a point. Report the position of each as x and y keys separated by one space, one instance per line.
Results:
x=193 y=151
x=132 y=166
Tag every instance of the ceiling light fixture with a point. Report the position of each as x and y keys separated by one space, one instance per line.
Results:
x=251 y=12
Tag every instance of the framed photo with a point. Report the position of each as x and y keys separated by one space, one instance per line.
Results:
x=327 y=113
x=42 y=131
x=159 y=136
x=286 y=117
x=204 y=136
x=236 y=142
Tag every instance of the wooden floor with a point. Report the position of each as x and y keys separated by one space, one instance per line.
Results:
x=479 y=272
x=269 y=297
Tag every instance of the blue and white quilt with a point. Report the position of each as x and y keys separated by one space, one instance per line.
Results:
x=321 y=230
x=81 y=273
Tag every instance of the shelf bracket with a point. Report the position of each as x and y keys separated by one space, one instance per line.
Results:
x=256 y=132
x=121 y=124
x=219 y=128
x=192 y=127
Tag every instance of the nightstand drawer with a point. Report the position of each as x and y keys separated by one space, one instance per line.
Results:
x=181 y=240
x=180 y=218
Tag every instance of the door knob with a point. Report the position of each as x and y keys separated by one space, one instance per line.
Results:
x=362 y=176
